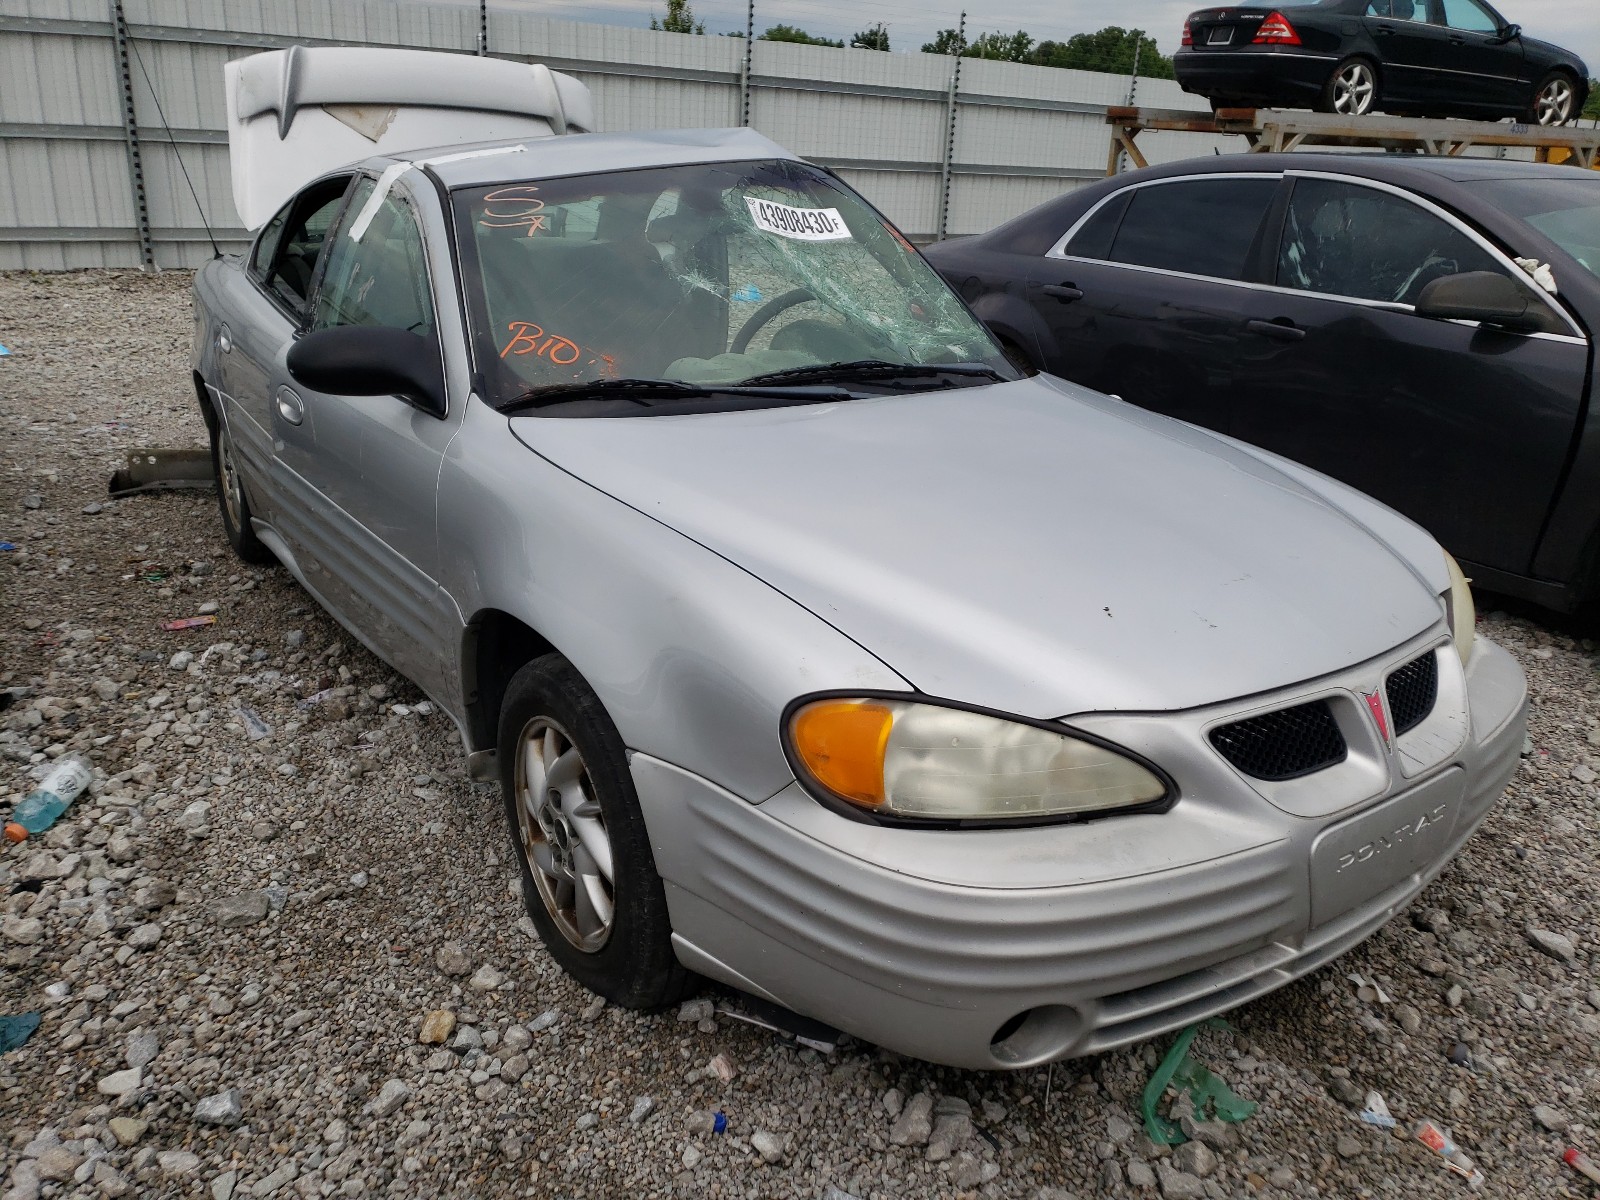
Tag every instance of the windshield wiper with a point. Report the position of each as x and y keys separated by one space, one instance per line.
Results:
x=648 y=392
x=871 y=368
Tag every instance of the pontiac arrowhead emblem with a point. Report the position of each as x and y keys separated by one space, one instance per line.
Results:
x=1375 y=704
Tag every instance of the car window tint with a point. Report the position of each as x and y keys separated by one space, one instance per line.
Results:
x=267 y=242
x=1469 y=15
x=1347 y=240
x=1199 y=226
x=1399 y=10
x=381 y=279
x=300 y=246
x=1093 y=239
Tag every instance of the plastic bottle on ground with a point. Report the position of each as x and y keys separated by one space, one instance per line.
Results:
x=38 y=810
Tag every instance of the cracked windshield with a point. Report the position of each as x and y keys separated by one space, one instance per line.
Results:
x=702 y=275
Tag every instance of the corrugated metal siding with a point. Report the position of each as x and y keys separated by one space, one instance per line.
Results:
x=881 y=120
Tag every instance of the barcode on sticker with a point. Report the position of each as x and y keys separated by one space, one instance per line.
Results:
x=805 y=224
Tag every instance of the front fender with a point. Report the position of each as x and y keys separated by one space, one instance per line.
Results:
x=693 y=657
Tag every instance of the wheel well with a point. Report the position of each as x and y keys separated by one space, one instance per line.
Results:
x=498 y=645
x=207 y=411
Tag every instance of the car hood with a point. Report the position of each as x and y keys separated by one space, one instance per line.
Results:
x=1030 y=547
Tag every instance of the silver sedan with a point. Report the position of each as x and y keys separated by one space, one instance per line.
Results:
x=817 y=649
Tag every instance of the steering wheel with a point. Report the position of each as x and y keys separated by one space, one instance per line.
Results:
x=764 y=315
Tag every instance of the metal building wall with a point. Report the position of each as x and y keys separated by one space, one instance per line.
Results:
x=883 y=121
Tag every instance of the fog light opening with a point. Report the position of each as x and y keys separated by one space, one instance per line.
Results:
x=1037 y=1035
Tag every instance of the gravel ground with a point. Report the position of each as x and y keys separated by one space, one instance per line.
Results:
x=236 y=938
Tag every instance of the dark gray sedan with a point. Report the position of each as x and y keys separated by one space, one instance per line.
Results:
x=1420 y=328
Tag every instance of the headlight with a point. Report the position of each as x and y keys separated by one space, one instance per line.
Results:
x=1461 y=612
x=904 y=759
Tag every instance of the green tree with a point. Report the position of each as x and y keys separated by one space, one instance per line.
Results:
x=876 y=38
x=1006 y=47
x=946 y=41
x=790 y=33
x=1591 y=108
x=679 y=19
x=1110 y=49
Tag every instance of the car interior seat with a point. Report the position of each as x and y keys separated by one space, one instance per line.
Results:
x=613 y=299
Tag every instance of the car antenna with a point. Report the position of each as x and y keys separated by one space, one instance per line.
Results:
x=216 y=250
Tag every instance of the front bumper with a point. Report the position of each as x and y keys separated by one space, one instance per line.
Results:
x=1006 y=948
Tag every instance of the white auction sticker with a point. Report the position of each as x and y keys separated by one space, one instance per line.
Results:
x=806 y=224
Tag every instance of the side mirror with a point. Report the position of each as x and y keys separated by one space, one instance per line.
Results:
x=1484 y=296
x=1510 y=33
x=370 y=360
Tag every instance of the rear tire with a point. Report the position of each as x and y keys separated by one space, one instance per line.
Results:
x=1555 y=101
x=231 y=499
x=1351 y=90
x=589 y=880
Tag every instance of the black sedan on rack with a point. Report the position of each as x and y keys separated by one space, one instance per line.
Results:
x=1437 y=58
x=1423 y=329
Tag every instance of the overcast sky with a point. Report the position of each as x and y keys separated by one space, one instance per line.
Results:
x=1571 y=23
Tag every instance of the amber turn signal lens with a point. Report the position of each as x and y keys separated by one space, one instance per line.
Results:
x=842 y=743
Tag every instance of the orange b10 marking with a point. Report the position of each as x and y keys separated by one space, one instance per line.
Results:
x=528 y=338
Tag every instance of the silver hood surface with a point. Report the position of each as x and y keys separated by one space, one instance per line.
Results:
x=1030 y=547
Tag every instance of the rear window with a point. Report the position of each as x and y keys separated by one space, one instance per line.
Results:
x=1197 y=226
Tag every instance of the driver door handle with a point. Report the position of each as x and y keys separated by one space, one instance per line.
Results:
x=1282 y=329
x=1383 y=31
x=290 y=407
x=1063 y=292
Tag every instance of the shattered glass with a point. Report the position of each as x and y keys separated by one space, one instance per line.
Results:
x=709 y=273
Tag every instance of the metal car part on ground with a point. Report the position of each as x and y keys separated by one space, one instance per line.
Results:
x=817 y=651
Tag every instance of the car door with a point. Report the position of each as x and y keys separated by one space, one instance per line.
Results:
x=255 y=334
x=1138 y=299
x=1480 y=68
x=1410 y=48
x=364 y=469
x=1464 y=428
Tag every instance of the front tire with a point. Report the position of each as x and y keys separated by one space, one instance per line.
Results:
x=589 y=880
x=1352 y=89
x=1555 y=101
x=231 y=499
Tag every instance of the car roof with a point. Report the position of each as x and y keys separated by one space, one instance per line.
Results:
x=1394 y=168
x=483 y=163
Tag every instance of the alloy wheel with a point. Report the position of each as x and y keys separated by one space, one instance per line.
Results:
x=232 y=488
x=1354 y=89
x=563 y=835
x=1553 y=105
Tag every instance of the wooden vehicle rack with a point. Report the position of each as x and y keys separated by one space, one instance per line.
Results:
x=1271 y=129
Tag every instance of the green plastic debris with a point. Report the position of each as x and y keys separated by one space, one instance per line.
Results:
x=1213 y=1099
x=16 y=1030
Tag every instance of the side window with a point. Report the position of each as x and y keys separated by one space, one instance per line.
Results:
x=1198 y=226
x=1399 y=10
x=377 y=272
x=301 y=242
x=1093 y=239
x=1469 y=15
x=1347 y=240
x=267 y=243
